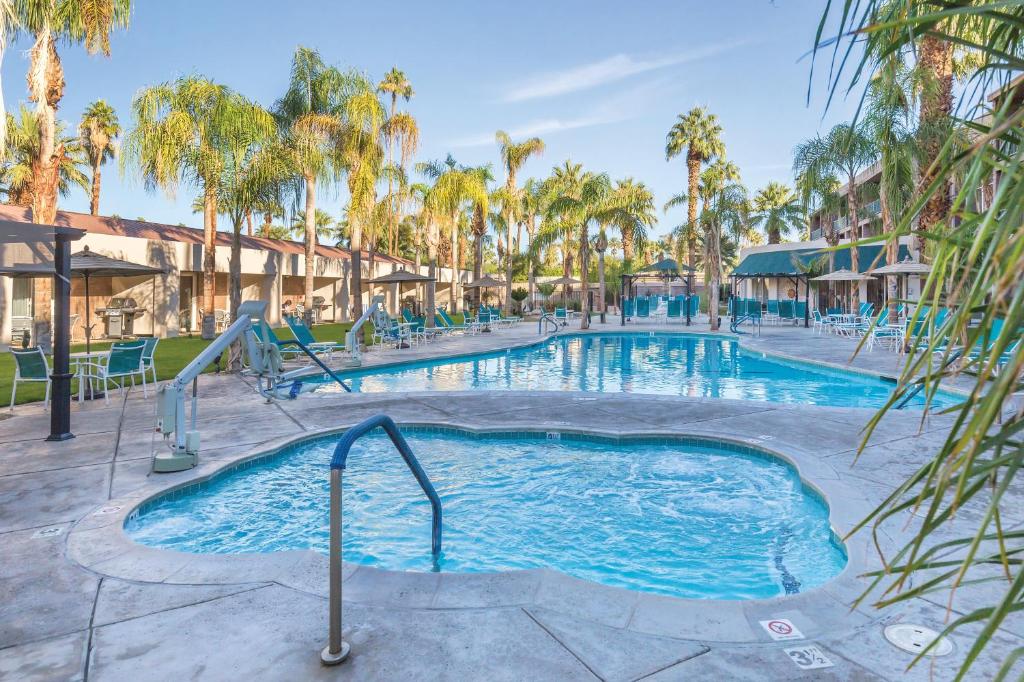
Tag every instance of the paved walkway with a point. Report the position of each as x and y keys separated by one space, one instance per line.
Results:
x=79 y=601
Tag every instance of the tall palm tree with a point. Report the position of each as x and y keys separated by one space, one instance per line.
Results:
x=9 y=25
x=532 y=209
x=22 y=150
x=715 y=180
x=777 y=211
x=632 y=225
x=845 y=151
x=98 y=130
x=49 y=22
x=698 y=134
x=513 y=156
x=401 y=128
x=361 y=158
x=324 y=221
x=579 y=199
x=307 y=117
x=179 y=135
x=255 y=173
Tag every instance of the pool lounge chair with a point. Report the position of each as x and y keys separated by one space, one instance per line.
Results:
x=449 y=324
x=265 y=334
x=674 y=310
x=643 y=307
x=628 y=308
x=304 y=336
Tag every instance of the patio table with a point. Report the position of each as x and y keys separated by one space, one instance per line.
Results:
x=80 y=360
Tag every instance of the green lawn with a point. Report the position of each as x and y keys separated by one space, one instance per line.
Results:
x=171 y=356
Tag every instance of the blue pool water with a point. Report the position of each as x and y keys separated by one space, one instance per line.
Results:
x=666 y=364
x=690 y=519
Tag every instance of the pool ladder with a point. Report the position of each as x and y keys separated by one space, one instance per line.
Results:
x=547 y=317
x=337 y=649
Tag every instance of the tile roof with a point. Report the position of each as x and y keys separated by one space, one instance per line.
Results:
x=177 y=233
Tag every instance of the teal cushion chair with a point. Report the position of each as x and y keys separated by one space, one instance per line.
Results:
x=30 y=366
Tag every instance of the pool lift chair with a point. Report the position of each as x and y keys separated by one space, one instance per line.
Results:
x=273 y=382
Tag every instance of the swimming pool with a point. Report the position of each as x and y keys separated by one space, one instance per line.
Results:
x=666 y=364
x=688 y=518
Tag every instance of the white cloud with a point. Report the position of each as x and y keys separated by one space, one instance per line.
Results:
x=605 y=71
x=538 y=127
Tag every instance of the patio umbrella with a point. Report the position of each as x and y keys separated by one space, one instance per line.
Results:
x=843 y=275
x=401 y=276
x=85 y=264
x=485 y=282
x=904 y=267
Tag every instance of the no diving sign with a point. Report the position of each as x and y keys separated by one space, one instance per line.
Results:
x=781 y=629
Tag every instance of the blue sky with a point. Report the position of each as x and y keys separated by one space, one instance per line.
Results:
x=601 y=82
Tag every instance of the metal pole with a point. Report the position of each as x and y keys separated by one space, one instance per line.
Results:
x=689 y=293
x=622 y=301
x=337 y=649
x=60 y=412
x=88 y=316
x=807 y=302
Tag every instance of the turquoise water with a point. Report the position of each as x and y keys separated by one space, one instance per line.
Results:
x=665 y=364
x=690 y=520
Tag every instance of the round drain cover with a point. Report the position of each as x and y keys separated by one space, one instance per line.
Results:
x=915 y=638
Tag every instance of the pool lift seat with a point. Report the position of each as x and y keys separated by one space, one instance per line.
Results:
x=264 y=363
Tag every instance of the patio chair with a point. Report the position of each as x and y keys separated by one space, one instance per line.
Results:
x=787 y=311
x=694 y=304
x=772 y=314
x=643 y=307
x=628 y=308
x=818 y=323
x=124 y=361
x=800 y=311
x=304 y=336
x=30 y=366
x=264 y=334
x=148 y=360
x=387 y=330
x=674 y=310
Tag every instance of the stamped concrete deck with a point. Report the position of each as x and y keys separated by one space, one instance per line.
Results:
x=80 y=601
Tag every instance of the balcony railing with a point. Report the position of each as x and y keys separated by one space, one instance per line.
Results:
x=866 y=211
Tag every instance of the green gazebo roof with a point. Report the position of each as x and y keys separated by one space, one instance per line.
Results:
x=784 y=263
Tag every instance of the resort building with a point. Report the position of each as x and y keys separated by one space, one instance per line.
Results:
x=272 y=270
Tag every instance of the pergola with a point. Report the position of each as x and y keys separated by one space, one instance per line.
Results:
x=795 y=277
x=664 y=271
x=15 y=233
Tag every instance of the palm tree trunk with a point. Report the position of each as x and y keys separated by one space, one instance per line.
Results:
x=248 y=224
x=627 y=245
x=531 y=276
x=432 y=238
x=209 y=260
x=235 y=290
x=94 y=201
x=601 y=305
x=310 y=272
x=508 y=262
x=892 y=252
x=713 y=258
x=46 y=85
x=452 y=291
x=584 y=277
x=935 y=56
x=851 y=206
x=693 y=180
x=478 y=265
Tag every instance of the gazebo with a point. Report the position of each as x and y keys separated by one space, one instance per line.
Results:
x=664 y=271
x=403 y=276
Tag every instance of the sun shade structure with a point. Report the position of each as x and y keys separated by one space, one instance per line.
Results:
x=485 y=282
x=401 y=276
x=904 y=267
x=788 y=263
x=843 y=275
x=85 y=264
x=563 y=281
x=664 y=271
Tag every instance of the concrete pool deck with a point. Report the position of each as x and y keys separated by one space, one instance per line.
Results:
x=80 y=601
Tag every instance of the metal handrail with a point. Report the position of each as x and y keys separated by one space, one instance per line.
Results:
x=546 y=317
x=317 y=360
x=337 y=649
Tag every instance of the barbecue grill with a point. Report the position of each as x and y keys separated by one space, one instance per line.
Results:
x=319 y=306
x=119 y=317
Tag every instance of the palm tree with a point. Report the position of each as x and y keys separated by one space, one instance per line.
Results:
x=777 y=211
x=513 y=156
x=22 y=150
x=700 y=136
x=324 y=221
x=255 y=173
x=309 y=125
x=717 y=183
x=531 y=209
x=633 y=224
x=9 y=25
x=98 y=131
x=845 y=151
x=179 y=135
x=580 y=198
x=49 y=22
x=400 y=127
x=361 y=158
x=888 y=125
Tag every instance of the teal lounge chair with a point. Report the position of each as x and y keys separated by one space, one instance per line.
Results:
x=450 y=324
x=695 y=306
x=643 y=307
x=304 y=336
x=674 y=310
x=123 y=362
x=628 y=307
x=264 y=334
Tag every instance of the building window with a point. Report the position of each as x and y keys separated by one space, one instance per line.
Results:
x=21 y=305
